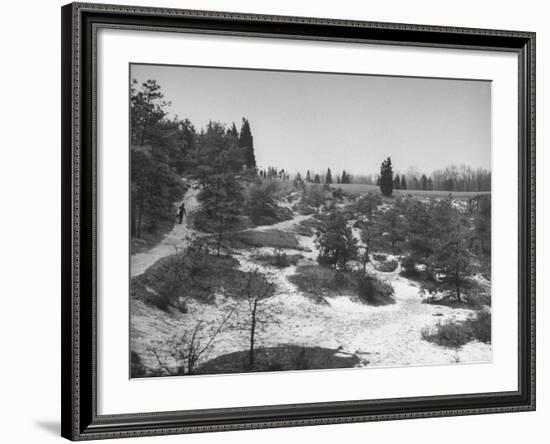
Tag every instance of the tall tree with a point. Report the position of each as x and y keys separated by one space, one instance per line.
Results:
x=344 y=178
x=257 y=291
x=335 y=242
x=453 y=257
x=317 y=179
x=247 y=143
x=328 y=177
x=424 y=182
x=147 y=109
x=386 y=177
x=396 y=182
x=403 y=182
x=233 y=131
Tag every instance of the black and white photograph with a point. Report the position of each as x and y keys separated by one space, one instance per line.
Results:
x=303 y=221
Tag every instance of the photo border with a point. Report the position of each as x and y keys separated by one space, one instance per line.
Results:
x=80 y=22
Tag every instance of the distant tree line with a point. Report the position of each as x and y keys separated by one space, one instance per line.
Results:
x=451 y=178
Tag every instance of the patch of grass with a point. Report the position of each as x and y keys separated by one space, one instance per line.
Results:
x=278 y=259
x=317 y=280
x=282 y=358
x=387 y=267
x=173 y=279
x=266 y=238
x=307 y=227
x=320 y=281
x=455 y=334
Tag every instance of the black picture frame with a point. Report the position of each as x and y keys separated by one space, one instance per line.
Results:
x=80 y=420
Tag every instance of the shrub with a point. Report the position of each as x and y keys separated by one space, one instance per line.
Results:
x=456 y=334
x=387 y=267
x=266 y=238
x=318 y=280
x=450 y=334
x=314 y=196
x=174 y=279
x=373 y=290
x=279 y=259
x=338 y=193
x=379 y=257
x=137 y=368
x=335 y=242
x=409 y=266
x=481 y=326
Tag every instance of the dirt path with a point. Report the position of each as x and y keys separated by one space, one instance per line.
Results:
x=380 y=336
x=172 y=242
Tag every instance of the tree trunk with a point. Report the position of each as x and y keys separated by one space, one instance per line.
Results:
x=252 y=334
x=139 y=221
x=457 y=283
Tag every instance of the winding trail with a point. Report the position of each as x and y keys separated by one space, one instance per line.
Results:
x=174 y=241
x=380 y=336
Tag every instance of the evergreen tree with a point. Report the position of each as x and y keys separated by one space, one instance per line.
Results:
x=396 y=182
x=246 y=142
x=328 y=177
x=452 y=258
x=233 y=131
x=308 y=176
x=317 y=179
x=424 y=182
x=386 y=177
x=403 y=182
x=336 y=242
x=430 y=184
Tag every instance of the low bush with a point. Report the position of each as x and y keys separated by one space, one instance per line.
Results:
x=318 y=280
x=480 y=326
x=387 y=267
x=266 y=238
x=307 y=227
x=372 y=290
x=449 y=334
x=379 y=257
x=409 y=266
x=193 y=273
x=455 y=334
x=278 y=259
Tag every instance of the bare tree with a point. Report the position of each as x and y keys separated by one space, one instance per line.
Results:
x=181 y=354
x=257 y=291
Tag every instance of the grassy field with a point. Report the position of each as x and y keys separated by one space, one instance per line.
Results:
x=355 y=188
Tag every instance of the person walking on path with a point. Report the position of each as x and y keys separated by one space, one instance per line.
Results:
x=181 y=213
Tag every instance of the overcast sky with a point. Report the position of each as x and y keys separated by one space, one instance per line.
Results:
x=313 y=121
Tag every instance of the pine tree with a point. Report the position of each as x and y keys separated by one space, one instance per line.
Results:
x=328 y=177
x=396 y=182
x=308 y=176
x=403 y=182
x=317 y=179
x=246 y=142
x=233 y=131
x=386 y=177
x=430 y=184
x=424 y=182
x=344 y=177
x=335 y=241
